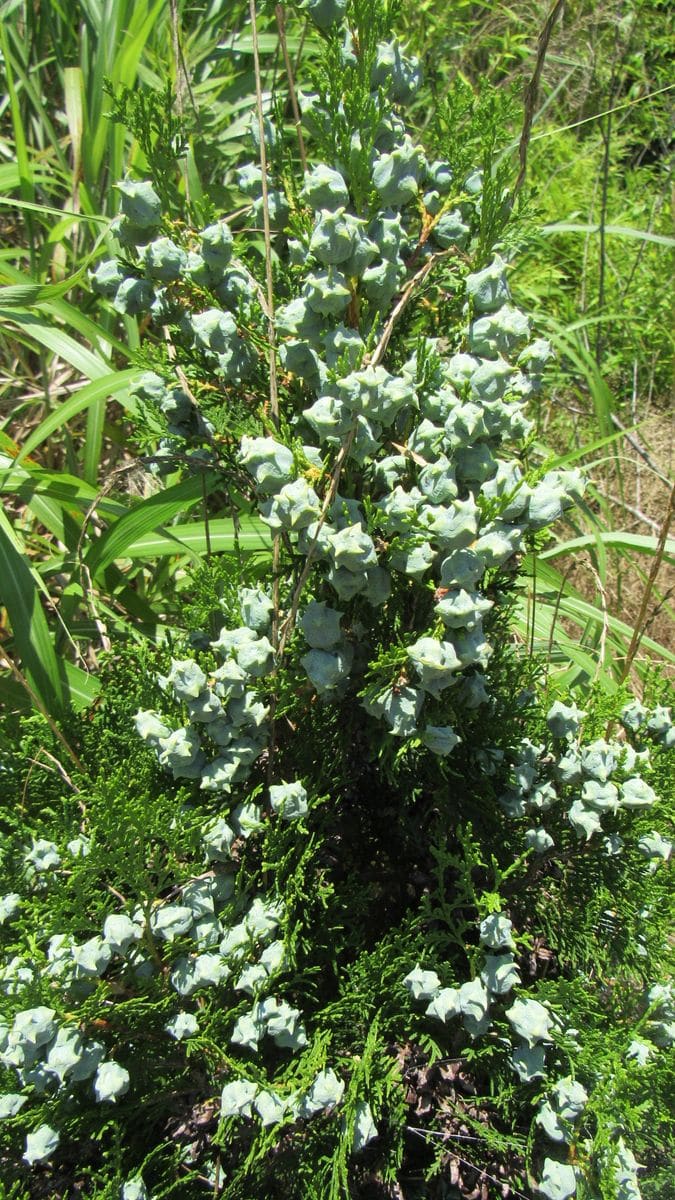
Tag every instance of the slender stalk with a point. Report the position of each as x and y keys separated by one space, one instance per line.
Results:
x=177 y=58
x=281 y=26
x=373 y=360
x=602 y=651
x=287 y=627
x=545 y=133
x=530 y=631
x=606 y=135
x=269 y=279
x=554 y=617
x=380 y=350
x=21 y=678
x=271 y=340
x=639 y=449
x=639 y=629
x=532 y=91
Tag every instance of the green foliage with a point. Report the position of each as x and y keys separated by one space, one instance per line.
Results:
x=470 y=128
x=151 y=118
x=353 y=930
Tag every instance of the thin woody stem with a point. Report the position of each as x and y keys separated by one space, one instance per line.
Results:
x=639 y=629
x=271 y=332
x=369 y=360
x=288 y=624
x=402 y=303
x=9 y=664
x=532 y=91
x=269 y=279
x=281 y=26
x=271 y=341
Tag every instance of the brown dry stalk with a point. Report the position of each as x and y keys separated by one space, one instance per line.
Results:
x=532 y=91
x=58 y=768
x=281 y=26
x=639 y=449
x=10 y=665
x=271 y=332
x=183 y=85
x=556 y=611
x=640 y=626
x=380 y=350
x=602 y=650
x=271 y=341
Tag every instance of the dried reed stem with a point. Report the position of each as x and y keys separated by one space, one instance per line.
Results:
x=639 y=629
x=281 y=26
x=532 y=91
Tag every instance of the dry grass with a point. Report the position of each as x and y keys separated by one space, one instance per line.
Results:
x=637 y=501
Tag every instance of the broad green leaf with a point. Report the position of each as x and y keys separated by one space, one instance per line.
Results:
x=81 y=687
x=547 y=634
x=28 y=294
x=72 y=493
x=70 y=316
x=57 y=520
x=626 y=231
x=93 y=441
x=191 y=538
x=20 y=596
x=555 y=591
x=149 y=515
x=268 y=43
x=9 y=202
x=73 y=88
x=579 y=609
x=10 y=178
x=641 y=542
x=26 y=181
x=114 y=384
x=93 y=366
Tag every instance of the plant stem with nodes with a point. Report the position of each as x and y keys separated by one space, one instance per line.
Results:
x=649 y=587
x=281 y=26
x=532 y=91
x=271 y=338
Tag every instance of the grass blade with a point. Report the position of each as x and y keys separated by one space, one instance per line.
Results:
x=191 y=538
x=82 y=688
x=20 y=145
x=625 y=231
x=641 y=542
x=93 y=442
x=91 y=365
x=113 y=384
x=148 y=515
x=71 y=493
x=20 y=596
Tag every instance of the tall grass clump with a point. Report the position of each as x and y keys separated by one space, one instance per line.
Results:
x=595 y=260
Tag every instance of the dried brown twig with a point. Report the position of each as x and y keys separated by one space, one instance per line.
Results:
x=640 y=622
x=532 y=91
